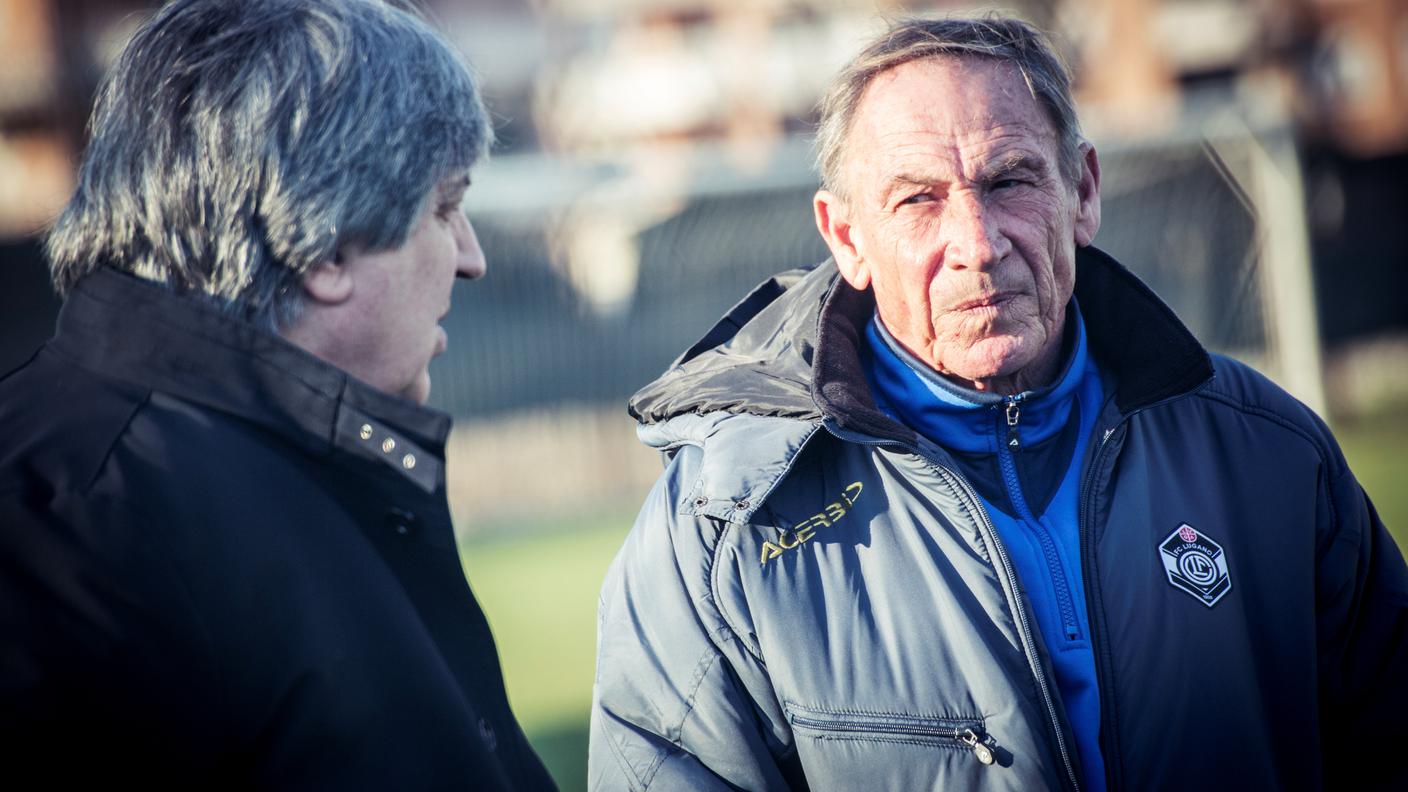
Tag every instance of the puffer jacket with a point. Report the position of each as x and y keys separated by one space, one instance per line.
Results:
x=812 y=597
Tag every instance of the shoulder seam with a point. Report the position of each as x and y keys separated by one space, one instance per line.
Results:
x=1269 y=415
x=112 y=443
x=1329 y=473
x=714 y=584
x=702 y=666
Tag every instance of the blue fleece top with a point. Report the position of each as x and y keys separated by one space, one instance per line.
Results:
x=1023 y=453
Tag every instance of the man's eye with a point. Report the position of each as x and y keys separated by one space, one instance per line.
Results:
x=917 y=198
x=1007 y=184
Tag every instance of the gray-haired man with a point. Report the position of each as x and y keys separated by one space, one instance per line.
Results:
x=228 y=558
x=969 y=508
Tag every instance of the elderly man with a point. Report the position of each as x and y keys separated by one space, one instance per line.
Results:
x=970 y=509
x=228 y=554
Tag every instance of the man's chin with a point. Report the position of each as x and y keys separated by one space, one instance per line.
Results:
x=990 y=359
x=994 y=355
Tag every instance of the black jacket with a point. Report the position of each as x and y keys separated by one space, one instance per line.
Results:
x=227 y=563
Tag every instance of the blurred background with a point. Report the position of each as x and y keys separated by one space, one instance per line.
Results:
x=654 y=164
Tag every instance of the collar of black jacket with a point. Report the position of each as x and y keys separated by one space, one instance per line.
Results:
x=141 y=333
x=1132 y=333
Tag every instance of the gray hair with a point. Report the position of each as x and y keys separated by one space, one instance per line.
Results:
x=237 y=144
x=1003 y=38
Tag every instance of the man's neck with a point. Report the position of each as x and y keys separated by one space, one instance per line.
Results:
x=1040 y=372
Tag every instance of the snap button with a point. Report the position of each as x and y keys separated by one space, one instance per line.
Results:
x=701 y=502
x=388 y=445
x=741 y=505
x=408 y=461
x=401 y=521
x=366 y=431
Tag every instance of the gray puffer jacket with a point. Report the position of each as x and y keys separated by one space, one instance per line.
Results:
x=813 y=597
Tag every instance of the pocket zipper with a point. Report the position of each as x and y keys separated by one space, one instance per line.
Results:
x=969 y=734
x=979 y=745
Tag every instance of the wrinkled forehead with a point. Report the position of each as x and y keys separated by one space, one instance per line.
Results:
x=945 y=99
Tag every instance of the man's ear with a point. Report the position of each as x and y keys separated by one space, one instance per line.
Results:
x=833 y=221
x=328 y=282
x=1088 y=196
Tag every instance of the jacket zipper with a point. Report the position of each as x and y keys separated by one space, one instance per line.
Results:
x=1007 y=461
x=1024 y=626
x=966 y=733
x=1012 y=412
x=1109 y=745
x=1028 y=643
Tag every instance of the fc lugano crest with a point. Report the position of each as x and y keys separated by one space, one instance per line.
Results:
x=1195 y=564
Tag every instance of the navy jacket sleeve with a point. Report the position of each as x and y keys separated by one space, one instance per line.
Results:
x=1363 y=645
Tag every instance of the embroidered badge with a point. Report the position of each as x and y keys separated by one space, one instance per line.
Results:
x=1196 y=564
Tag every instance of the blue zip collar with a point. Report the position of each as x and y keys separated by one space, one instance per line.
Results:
x=961 y=418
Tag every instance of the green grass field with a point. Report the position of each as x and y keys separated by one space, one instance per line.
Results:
x=1377 y=450
x=540 y=591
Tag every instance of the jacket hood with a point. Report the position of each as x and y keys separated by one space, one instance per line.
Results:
x=756 y=360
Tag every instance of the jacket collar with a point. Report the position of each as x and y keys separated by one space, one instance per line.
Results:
x=146 y=335
x=1135 y=335
x=752 y=393
x=745 y=456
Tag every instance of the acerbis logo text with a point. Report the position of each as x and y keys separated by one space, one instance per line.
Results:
x=806 y=529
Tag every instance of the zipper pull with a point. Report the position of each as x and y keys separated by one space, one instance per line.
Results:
x=1014 y=441
x=971 y=739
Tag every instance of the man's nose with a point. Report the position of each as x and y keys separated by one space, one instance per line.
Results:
x=469 y=257
x=974 y=240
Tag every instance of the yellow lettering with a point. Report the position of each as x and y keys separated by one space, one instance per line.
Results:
x=806 y=529
x=770 y=551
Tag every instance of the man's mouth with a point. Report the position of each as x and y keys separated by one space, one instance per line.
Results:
x=988 y=301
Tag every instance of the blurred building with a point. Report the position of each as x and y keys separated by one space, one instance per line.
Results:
x=51 y=57
x=654 y=160
x=650 y=92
